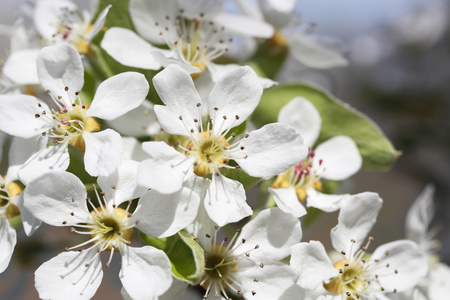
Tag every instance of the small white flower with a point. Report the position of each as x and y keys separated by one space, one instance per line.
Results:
x=62 y=21
x=248 y=264
x=337 y=158
x=261 y=153
x=72 y=122
x=59 y=199
x=393 y=267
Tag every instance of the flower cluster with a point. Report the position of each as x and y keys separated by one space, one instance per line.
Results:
x=133 y=125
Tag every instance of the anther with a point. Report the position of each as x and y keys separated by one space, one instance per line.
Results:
x=86 y=265
x=47 y=92
x=72 y=214
x=199 y=104
x=224 y=117
x=386 y=253
x=66 y=88
x=77 y=93
x=246 y=136
x=255 y=279
x=216 y=109
x=253 y=293
x=243 y=241
x=242 y=147
x=180 y=117
x=64 y=222
x=195 y=120
x=37 y=116
x=343 y=252
x=394 y=291
x=237 y=117
x=261 y=265
x=387 y=265
x=207 y=235
x=257 y=246
x=352 y=241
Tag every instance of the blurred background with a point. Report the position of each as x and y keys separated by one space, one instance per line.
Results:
x=399 y=75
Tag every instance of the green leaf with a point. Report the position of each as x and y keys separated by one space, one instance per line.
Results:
x=118 y=15
x=338 y=118
x=239 y=175
x=185 y=254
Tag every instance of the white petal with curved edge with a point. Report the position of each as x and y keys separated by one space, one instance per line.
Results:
x=235 y=96
x=273 y=282
x=129 y=49
x=356 y=218
x=166 y=58
x=21 y=67
x=278 y=13
x=146 y=13
x=244 y=25
x=165 y=170
x=218 y=71
x=304 y=117
x=175 y=292
x=312 y=263
x=340 y=157
x=59 y=67
x=274 y=231
x=124 y=181
x=439 y=286
x=225 y=201
x=67 y=274
x=163 y=215
x=270 y=150
x=46 y=13
x=287 y=200
x=50 y=159
x=176 y=89
x=132 y=149
x=138 y=122
x=404 y=256
x=20 y=151
x=8 y=237
x=98 y=24
x=118 y=95
x=249 y=8
x=420 y=215
x=103 y=152
x=313 y=52
x=141 y=266
x=18 y=116
x=30 y=223
x=61 y=203
x=325 y=202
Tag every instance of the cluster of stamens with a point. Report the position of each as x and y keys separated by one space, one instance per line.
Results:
x=221 y=266
x=358 y=277
x=302 y=176
x=68 y=122
x=200 y=41
x=7 y=191
x=70 y=28
x=209 y=148
x=108 y=226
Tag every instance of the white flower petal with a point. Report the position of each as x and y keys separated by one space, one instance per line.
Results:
x=30 y=223
x=124 y=180
x=218 y=71
x=20 y=151
x=176 y=89
x=244 y=25
x=118 y=95
x=439 y=287
x=98 y=25
x=164 y=171
x=356 y=218
x=18 y=116
x=274 y=231
x=55 y=196
x=146 y=13
x=234 y=97
x=59 y=67
x=273 y=282
x=270 y=150
x=196 y=8
x=67 y=274
x=138 y=122
x=146 y=272
x=132 y=149
x=162 y=215
x=314 y=52
x=304 y=117
x=340 y=156
x=21 y=67
x=175 y=292
x=46 y=13
x=50 y=159
x=129 y=49
x=103 y=152
x=325 y=202
x=287 y=200
x=420 y=215
x=405 y=257
x=278 y=13
x=225 y=201
x=312 y=263
x=9 y=238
